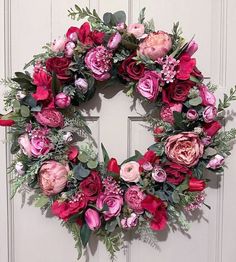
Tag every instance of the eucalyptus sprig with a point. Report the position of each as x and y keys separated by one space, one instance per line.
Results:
x=227 y=99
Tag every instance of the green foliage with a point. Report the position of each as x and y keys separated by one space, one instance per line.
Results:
x=177 y=39
x=225 y=103
x=211 y=87
x=80 y=172
x=81 y=13
x=158 y=148
x=141 y=17
x=177 y=217
x=85 y=234
x=41 y=201
x=111 y=20
x=105 y=154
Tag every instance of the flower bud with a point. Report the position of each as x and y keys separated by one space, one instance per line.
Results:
x=62 y=100
x=92 y=219
x=158 y=174
x=192 y=115
x=20 y=169
x=82 y=85
x=58 y=45
x=195 y=184
x=114 y=41
x=216 y=162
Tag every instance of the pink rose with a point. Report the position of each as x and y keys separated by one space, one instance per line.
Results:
x=114 y=203
x=209 y=114
x=136 y=29
x=185 y=148
x=62 y=100
x=114 y=41
x=133 y=197
x=69 y=49
x=82 y=85
x=53 y=177
x=167 y=112
x=98 y=60
x=192 y=115
x=129 y=222
x=192 y=48
x=50 y=117
x=208 y=98
x=216 y=162
x=58 y=45
x=148 y=85
x=159 y=174
x=25 y=144
x=92 y=219
x=155 y=45
x=130 y=172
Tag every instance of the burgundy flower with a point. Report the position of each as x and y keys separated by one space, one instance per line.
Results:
x=50 y=117
x=211 y=129
x=60 y=66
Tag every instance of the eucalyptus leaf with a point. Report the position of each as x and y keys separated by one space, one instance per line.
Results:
x=41 y=201
x=81 y=172
x=92 y=164
x=16 y=104
x=24 y=110
x=111 y=225
x=175 y=197
x=85 y=234
x=195 y=101
x=120 y=17
x=83 y=157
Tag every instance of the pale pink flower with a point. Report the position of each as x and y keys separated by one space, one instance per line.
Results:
x=159 y=174
x=136 y=29
x=209 y=114
x=130 y=172
x=58 y=45
x=129 y=222
x=25 y=144
x=69 y=49
x=208 y=98
x=82 y=85
x=192 y=115
x=216 y=162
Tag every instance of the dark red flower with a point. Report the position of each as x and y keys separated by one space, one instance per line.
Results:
x=157 y=131
x=91 y=186
x=112 y=166
x=157 y=208
x=195 y=184
x=60 y=66
x=7 y=122
x=129 y=69
x=212 y=128
x=197 y=73
x=150 y=157
x=175 y=173
x=185 y=67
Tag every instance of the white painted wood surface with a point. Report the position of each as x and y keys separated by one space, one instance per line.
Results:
x=25 y=234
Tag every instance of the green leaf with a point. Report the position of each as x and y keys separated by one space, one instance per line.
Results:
x=29 y=101
x=178 y=117
x=195 y=101
x=209 y=151
x=111 y=225
x=55 y=84
x=105 y=155
x=85 y=234
x=198 y=172
x=83 y=157
x=41 y=201
x=175 y=197
x=194 y=79
x=107 y=18
x=81 y=172
x=92 y=164
x=136 y=157
x=120 y=17
x=158 y=148
x=24 y=110
x=16 y=104
x=182 y=187
x=15 y=147
x=141 y=17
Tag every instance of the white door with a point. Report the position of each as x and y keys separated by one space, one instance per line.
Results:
x=25 y=234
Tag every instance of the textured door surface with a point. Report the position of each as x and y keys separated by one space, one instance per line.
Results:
x=28 y=236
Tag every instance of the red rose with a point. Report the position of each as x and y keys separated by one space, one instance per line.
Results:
x=212 y=128
x=112 y=166
x=64 y=210
x=185 y=67
x=91 y=186
x=60 y=66
x=50 y=117
x=129 y=69
x=195 y=184
x=175 y=173
x=157 y=208
x=176 y=92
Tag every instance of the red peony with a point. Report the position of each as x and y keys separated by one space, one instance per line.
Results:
x=91 y=186
x=175 y=173
x=129 y=69
x=186 y=66
x=60 y=66
x=50 y=117
x=157 y=208
x=212 y=128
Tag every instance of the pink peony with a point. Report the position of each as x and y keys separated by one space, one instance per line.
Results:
x=155 y=45
x=208 y=98
x=130 y=172
x=167 y=112
x=136 y=29
x=216 y=162
x=92 y=219
x=192 y=115
x=114 y=41
x=50 y=117
x=185 y=148
x=98 y=60
x=129 y=222
x=209 y=114
x=192 y=48
x=62 y=100
x=148 y=85
x=53 y=177
x=58 y=45
x=133 y=197
x=114 y=203
x=25 y=144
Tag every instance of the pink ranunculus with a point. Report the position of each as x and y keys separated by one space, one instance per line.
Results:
x=62 y=100
x=148 y=85
x=130 y=172
x=155 y=45
x=159 y=174
x=98 y=60
x=167 y=112
x=136 y=29
x=129 y=222
x=208 y=98
x=92 y=219
x=114 y=203
x=216 y=162
x=69 y=49
x=82 y=85
x=25 y=144
x=209 y=114
x=192 y=48
x=58 y=45
x=192 y=114
x=53 y=177
x=50 y=118
x=133 y=197
x=114 y=41
x=185 y=148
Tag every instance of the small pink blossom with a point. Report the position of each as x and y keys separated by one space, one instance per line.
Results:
x=208 y=98
x=209 y=114
x=58 y=45
x=25 y=144
x=82 y=85
x=129 y=222
x=159 y=174
x=192 y=115
x=136 y=29
x=69 y=49
x=216 y=162
x=62 y=100
x=130 y=172
x=197 y=203
x=114 y=41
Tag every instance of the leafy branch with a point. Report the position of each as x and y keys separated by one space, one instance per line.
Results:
x=81 y=13
x=227 y=99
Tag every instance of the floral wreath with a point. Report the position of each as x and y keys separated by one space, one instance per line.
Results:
x=147 y=192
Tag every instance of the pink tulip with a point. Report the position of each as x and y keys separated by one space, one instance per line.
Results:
x=192 y=48
x=92 y=219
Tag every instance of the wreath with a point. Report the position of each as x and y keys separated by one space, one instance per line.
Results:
x=148 y=192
